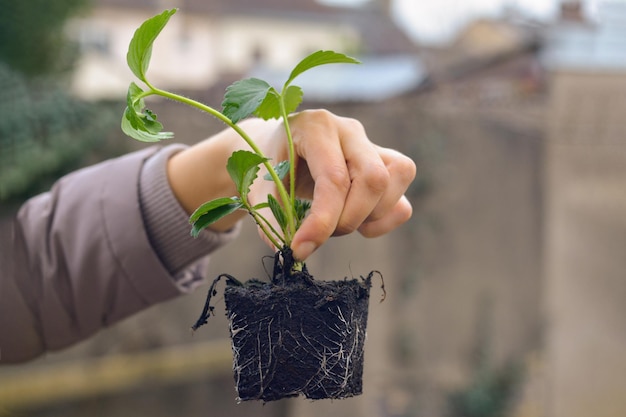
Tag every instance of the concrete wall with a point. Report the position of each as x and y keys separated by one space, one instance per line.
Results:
x=585 y=234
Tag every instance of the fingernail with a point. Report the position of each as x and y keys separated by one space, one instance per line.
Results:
x=305 y=249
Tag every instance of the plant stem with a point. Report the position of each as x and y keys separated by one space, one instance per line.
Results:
x=257 y=218
x=292 y=170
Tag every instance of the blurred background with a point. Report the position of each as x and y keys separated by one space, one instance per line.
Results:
x=506 y=291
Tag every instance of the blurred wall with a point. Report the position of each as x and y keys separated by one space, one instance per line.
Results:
x=462 y=277
x=586 y=244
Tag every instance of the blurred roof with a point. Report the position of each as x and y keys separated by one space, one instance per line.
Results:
x=379 y=32
x=480 y=44
x=373 y=20
x=251 y=7
x=486 y=37
x=586 y=46
x=376 y=79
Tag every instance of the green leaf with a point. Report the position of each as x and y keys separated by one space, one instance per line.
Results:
x=301 y=209
x=210 y=205
x=243 y=97
x=292 y=98
x=320 y=58
x=140 y=47
x=150 y=122
x=282 y=169
x=140 y=123
x=211 y=211
x=270 y=106
x=278 y=212
x=243 y=167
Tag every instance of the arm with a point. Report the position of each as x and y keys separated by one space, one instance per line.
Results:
x=111 y=239
x=82 y=258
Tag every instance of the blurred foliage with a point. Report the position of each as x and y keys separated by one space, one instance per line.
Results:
x=44 y=131
x=32 y=38
x=491 y=390
x=490 y=394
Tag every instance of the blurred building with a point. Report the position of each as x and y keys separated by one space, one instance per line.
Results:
x=585 y=233
x=209 y=41
x=515 y=252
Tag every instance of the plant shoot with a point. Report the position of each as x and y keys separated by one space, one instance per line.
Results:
x=243 y=99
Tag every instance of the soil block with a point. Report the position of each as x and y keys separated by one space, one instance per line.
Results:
x=295 y=335
x=303 y=337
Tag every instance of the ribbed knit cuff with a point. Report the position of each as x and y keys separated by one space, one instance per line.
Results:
x=167 y=223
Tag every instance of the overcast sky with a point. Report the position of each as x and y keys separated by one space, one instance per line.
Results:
x=434 y=21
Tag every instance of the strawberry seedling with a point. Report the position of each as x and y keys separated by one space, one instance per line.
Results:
x=294 y=335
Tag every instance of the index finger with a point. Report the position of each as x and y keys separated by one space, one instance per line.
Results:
x=321 y=148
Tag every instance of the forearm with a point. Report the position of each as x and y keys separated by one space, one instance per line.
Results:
x=198 y=174
x=85 y=256
x=80 y=262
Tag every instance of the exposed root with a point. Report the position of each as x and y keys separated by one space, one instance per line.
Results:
x=382 y=284
x=207 y=311
x=298 y=340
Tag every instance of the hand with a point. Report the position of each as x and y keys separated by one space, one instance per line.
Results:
x=353 y=183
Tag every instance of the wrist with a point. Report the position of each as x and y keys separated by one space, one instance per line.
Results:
x=166 y=222
x=198 y=174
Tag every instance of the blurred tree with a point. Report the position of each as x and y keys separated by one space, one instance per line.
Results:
x=44 y=130
x=32 y=39
x=44 y=133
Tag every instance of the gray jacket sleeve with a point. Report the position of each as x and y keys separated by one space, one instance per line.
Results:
x=107 y=241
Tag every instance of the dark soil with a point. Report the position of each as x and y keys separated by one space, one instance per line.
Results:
x=296 y=335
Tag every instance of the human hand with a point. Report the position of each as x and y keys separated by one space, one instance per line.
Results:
x=354 y=184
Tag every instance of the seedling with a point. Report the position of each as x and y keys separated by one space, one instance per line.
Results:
x=244 y=98
x=293 y=335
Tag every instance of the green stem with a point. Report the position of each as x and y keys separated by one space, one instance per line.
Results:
x=258 y=219
x=291 y=222
x=269 y=225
